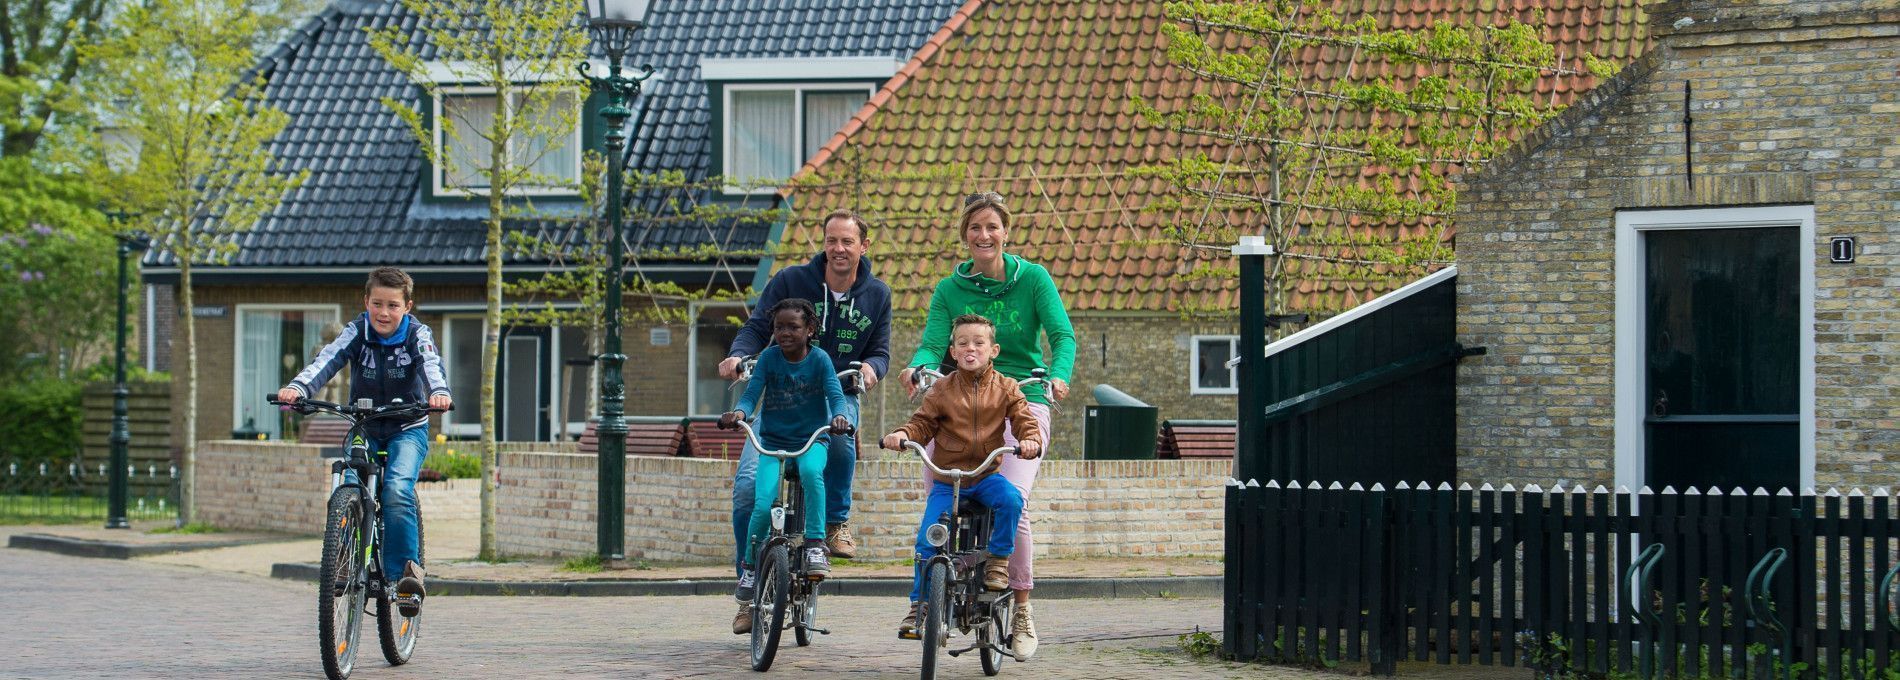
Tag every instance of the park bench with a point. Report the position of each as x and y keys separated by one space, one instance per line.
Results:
x=709 y=441
x=647 y=436
x=1195 y=439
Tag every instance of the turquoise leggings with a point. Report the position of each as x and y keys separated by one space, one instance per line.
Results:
x=811 y=478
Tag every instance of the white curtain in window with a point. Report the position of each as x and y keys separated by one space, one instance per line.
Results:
x=276 y=345
x=825 y=112
x=554 y=158
x=466 y=152
x=762 y=136
x=462 y=356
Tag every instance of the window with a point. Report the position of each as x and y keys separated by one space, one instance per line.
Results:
x=1211 y=374
x=772 y=129
x=554 y=160
x=713 y=333
x=273 y=345
x=461 y=345
x=576 y=379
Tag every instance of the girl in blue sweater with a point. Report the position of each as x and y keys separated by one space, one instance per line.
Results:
x=793 y=391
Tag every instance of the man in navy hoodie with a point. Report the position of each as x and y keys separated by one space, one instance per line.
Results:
x=854 y=324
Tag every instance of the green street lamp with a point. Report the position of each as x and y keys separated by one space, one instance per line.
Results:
x=613 y=23
x=130 y=243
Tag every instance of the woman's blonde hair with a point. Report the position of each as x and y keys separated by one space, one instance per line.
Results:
x=985 y=200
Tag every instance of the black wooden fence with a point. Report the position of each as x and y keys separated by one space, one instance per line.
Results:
x=1697 y=584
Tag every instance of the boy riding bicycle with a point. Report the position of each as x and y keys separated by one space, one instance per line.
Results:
x=793 y=390
x=394 y=357
x=963 y=416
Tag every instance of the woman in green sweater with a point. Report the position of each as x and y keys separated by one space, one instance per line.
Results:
x=1019 y=297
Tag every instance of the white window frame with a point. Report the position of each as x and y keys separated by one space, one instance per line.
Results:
x=580 y=100
x=798 y=91
x=237 y=346
x=1194 y=365
x=1632 y=322
x=445 y=348
x=693 y=310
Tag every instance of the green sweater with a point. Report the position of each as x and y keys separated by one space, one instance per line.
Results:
x=1023 y=308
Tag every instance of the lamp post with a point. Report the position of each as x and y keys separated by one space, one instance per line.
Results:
x=613 y=23
x=130 y=243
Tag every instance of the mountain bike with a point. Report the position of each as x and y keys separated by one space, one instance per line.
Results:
x=351 y=572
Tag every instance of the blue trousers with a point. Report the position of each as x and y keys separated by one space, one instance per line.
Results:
x=406 y=451
x=994 y=492
x=811 y=479
x=840 y=468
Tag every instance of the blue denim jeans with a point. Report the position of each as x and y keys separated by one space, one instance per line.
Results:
x=840 y=467
x=406 y=451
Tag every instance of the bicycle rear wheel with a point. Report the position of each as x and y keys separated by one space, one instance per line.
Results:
x=768 y=609
x=933 y=615
x=341 y=590
x=398 y=633
x=996 y=633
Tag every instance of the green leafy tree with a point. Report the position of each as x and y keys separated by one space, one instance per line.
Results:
x=178 y=72
x=1340 y=136
x=39 y=62
x=56 y=264
x=525 y=53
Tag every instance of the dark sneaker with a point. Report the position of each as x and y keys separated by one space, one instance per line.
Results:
x=742 y=623
x=748 y=586
x=839 y=540
x=996 y=574
x=908 y=629
x=817 y=567
x=409 y=591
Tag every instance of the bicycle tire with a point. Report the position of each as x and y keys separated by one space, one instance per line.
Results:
x=807 y=615
x=341 y=590
x=996 y=633
x=933 y=615
x=398 y=633
x=768 y=606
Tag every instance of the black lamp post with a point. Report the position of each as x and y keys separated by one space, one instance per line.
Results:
x=613 y=23
x=130 y=243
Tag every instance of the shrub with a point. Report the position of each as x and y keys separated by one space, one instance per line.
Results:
x=454 y=464
x=41 y=419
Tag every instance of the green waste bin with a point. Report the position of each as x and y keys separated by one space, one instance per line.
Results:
x=1118 y=427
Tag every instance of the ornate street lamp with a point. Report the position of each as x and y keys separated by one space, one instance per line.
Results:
x=130 y=243
x=613 y=23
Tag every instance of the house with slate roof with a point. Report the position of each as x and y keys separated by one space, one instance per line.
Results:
x=742 y=89
x=1030 y=99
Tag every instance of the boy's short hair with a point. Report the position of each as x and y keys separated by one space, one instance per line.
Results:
x=973 y=320
x=391 y=277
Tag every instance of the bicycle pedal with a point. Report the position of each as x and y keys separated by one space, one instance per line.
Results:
x=409 y=605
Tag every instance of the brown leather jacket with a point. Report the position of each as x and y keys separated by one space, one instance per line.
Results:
x=965 y=417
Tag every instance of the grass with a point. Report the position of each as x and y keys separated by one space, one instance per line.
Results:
x=34 y=509
x=585 y=564
x=192 y=528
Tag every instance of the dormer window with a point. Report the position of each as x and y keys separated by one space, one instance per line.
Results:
x=778 y=112
x=553 y=159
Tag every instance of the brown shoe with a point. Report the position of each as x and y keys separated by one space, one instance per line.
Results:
x=996 y=574
x=742 y=623
x=839 y=540
x=409 y=591
x=908 y=629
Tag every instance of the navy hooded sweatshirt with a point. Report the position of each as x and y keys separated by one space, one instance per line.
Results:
x=855 y=328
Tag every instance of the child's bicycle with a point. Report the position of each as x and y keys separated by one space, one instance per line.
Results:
x=953 y=600
x=352 y=571
x=783 y=582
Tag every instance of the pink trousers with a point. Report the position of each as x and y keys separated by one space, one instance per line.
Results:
x=1022 y=473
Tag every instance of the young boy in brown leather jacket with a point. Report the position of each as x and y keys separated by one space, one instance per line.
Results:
x=963 y=416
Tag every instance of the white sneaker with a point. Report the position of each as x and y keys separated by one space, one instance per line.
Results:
x=748 y=583
x=1023 y=633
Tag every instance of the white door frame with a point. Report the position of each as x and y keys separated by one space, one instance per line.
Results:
x=1631 y=320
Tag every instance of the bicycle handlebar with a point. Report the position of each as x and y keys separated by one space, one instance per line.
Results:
x=960 y=474
x=760 y=446
x=856 y=370
x=356 y=412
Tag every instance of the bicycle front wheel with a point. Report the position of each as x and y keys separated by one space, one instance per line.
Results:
x=768 y=609
x=398 y=633
x=341 y=590
x=933 y=615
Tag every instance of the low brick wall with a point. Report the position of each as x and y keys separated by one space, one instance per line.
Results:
x=679 y=509
x=271 y=486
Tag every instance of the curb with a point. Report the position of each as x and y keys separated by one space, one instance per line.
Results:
x=1056 y=588
x=112 y=550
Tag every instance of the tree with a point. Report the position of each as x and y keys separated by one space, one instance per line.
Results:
x=56 y=264
x=1345 y=135
x=179 y=74
x=525 y=53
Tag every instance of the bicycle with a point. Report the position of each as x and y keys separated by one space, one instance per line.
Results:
x=351 y=569
x=783 y=583
x=953 y=596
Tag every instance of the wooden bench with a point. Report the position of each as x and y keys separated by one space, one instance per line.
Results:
x=708 y=441
x=326 y=431
x=647 y=436
x=1196 y=439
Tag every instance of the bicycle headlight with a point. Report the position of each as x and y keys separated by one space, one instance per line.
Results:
x=937 y=535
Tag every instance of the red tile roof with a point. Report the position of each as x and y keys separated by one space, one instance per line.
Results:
x=1030 y=98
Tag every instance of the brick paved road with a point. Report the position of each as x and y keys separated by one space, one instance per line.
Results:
x=73 y=617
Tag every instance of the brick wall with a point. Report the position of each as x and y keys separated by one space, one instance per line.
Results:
x=1793 y=103
x=272 y=486
x=680 y=509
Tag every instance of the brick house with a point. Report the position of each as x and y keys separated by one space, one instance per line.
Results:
x=1030 y=99
x=741 y=90
x=1689 y=277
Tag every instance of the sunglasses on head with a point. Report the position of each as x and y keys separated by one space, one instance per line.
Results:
x=983 y=197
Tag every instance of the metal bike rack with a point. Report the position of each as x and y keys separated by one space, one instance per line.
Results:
x=1641 y=571
x=1761 y=604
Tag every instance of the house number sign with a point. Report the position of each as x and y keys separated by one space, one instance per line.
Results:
x=1840 y=250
